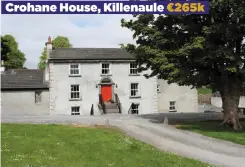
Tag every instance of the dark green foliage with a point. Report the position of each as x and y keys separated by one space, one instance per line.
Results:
x=193 y=49
x=10 y=53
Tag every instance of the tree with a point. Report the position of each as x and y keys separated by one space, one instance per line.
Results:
x=12 y=56
x=195 y=50
x=42 y=59
x=58 y=42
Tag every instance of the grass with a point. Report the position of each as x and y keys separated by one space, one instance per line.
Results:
x=204 y=91
x=68 y=146
x=212 y=129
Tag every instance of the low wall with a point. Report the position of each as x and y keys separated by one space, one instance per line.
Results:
x=216 y=101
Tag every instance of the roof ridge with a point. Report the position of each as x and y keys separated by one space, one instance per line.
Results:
x=88 y=48
x=91 y=54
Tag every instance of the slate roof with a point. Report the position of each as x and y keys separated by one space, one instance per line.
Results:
x=90 y=54
x=23 y=79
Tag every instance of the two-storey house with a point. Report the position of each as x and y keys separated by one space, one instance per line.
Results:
x=107 y=79
x=85 y=81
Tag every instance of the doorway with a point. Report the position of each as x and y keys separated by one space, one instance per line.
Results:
x=106 y=92
x=107 y=89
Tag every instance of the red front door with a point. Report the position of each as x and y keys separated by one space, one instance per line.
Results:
x=106 y=91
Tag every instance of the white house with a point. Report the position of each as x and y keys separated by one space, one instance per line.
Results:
x=105 y=80
x=82 y=77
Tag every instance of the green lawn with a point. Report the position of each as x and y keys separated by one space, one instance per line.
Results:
x=69 y=146
x=204 y=91
x=212 y=129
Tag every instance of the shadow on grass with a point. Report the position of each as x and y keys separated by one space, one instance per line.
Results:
x=213 y=129
x=208 y=126
x=193 y=121
x=174 y=118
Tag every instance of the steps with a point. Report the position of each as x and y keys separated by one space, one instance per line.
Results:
x=111 y=108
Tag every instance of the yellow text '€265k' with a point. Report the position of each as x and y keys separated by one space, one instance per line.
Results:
x=185 y=7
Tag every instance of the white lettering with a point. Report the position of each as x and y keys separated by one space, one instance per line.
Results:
x=22 y=8
x=99 y=10
x=160 y=8
x=64 y=7
x=8 y=7
x=53 y=8
x=30 y=8
x=121 y=7
x=77 y=8
x=86 y=8
x=107 y=7
x=68 y=7
x=72 y=8
x=142 y=8
x=16 y=7
x=94 y=8
x=126 y=8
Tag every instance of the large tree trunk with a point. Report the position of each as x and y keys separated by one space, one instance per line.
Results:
x=230 y=98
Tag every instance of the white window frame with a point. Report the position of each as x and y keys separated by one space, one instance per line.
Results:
x=133 y=69
x=79 y=69
x=172 y=107
x=106 y=68
x=79 y=92
x=139 y=93
x=158 y=88
x=38 y=97
x=75 y=110
x=138 y=107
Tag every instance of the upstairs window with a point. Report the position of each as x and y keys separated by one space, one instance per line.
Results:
x=75 y=110
x=172 y=106
x=75 y=92
x=134 y=90
x=105 y=68
x=74 y=69
x=133 y=69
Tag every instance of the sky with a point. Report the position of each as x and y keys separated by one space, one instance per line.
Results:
x=32 y=31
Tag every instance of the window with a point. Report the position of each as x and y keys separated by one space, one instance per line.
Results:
x=158 y=88
x=133 y=69
x=172 y=106
x=135 y=108
x=37 y=97
x=75 y=110
x=74 y=69
x=134 y=90
x=105 y=68
x=75 y=92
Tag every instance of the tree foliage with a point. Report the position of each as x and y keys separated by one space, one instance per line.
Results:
x=58 y=42
x=195 y=50
x=10 y=53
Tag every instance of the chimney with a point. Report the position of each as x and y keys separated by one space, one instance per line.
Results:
x=49 y=49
